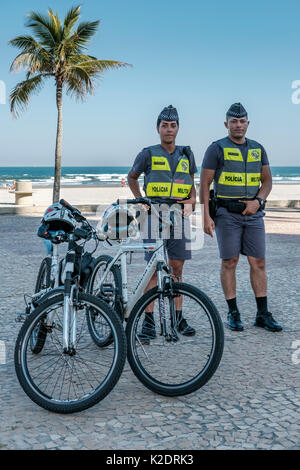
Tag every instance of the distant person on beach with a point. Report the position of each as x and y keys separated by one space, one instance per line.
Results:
x=10 y=187
x=242 y=179
x=169 y=177
x=123 y=182
x=13 y=186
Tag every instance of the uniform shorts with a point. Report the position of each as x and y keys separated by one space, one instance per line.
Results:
x=237 y=233
x=177 y=248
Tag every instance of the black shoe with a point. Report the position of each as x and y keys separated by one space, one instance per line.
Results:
x=266 y=321
x=234 y=321
x=182 y=326
x=148 y=329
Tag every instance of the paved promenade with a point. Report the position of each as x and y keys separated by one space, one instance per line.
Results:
x=252 y=401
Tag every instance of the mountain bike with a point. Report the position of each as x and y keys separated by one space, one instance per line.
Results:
x=50 y=278
x=57 y=363
x=169 y=364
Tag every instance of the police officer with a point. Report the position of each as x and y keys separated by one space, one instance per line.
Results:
x=169 y=177
x=242 y=179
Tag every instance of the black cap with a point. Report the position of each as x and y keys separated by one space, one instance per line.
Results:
x=168 y=114
x=236 y=110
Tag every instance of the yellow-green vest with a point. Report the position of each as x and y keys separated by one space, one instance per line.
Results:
x=161 y=182
x=239 y=177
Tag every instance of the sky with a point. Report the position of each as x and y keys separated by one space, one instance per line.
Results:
x=198 y=56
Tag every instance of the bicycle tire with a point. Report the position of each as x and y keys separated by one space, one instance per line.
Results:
x=28 y=366
x=133 y=344
x=101 y=338
x=38 y=336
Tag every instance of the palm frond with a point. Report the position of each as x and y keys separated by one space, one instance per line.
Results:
x=103 y=65
x=32 y=62
x=44 y=29
x=70 y=20
x=26 y=43
x=33 y=55
x=86 y=30
x=20 y=95
x=94 y=63
x=55 y=21
x=78 y=83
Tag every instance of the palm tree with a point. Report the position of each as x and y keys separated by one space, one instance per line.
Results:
x=57 y=51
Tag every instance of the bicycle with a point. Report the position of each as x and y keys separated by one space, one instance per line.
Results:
x=170 y=364
x=65 y=371
x=50 y=278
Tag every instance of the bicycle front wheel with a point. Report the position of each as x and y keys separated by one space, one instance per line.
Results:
x=66 y=383
x=175 y=364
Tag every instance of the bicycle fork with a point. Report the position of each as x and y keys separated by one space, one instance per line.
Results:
x=69 y=318
x=163 y=285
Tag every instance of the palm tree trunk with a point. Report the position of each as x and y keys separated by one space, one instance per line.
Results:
x=58 y=147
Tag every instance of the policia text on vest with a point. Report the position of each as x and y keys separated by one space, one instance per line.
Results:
x=239 y=178
x=162 y=182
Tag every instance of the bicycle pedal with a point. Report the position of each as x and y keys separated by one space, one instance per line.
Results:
x=172 y=338
x=107 y=290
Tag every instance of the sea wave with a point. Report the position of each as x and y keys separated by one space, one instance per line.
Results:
x=104 y=176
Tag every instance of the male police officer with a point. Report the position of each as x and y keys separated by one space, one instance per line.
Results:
x=168 y=175
x=242 y=183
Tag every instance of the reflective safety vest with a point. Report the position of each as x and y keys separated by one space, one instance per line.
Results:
x=239 y=177
x=161 y=182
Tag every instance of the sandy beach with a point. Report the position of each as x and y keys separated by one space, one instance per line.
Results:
x=108 y=194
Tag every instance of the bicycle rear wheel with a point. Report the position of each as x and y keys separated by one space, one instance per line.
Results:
x=171 y=367
x=38 y=336
x=67 y=383
x=99 y=330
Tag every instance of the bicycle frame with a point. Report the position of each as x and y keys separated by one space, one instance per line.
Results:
x=157 y=258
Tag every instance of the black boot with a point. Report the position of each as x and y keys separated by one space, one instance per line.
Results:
x=266 y=321
x=148 y=328
x=234 y=321
x=182 y=325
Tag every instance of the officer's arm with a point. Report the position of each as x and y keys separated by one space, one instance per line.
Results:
x=193 y=195
x=133 y=183
x=206 y=178
x=266 y=180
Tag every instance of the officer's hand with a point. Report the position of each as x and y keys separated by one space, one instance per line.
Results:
x=209 y=226
x=251 y=207
x=188 y=205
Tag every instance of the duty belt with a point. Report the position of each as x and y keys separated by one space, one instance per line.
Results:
x=233 y=205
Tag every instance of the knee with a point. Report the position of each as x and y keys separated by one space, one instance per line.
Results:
x=257 y=264
x=230 y=264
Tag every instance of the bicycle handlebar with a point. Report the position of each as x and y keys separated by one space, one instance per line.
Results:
x=84 y=233
x=138 y=200
x=76 y=212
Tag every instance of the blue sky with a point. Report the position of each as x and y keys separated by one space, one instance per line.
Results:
x=199 y=56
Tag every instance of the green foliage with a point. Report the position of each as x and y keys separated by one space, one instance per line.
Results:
x=56 y=49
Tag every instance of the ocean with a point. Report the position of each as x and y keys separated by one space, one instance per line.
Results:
x=106 y=175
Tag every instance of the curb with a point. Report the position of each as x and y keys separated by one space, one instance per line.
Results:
x=100 y=208
x=39 y=210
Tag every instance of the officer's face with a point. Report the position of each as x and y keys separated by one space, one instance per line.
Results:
x=168 y=131
x=237 y=126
